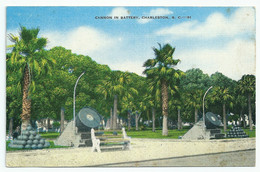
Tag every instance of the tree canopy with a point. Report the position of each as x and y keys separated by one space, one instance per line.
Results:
x=165 y=89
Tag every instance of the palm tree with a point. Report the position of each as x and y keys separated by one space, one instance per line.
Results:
x=155 y=98
x=194 y=84
x=223 y=96
x=146 y=104
x=195 y=101
x=161 y=70
x=29 y=58
x=177 y=104
x=247 y=86
x=128 y=103
x=113 y=86
x=240 y=104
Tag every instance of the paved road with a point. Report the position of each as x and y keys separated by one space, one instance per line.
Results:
x=244 y=158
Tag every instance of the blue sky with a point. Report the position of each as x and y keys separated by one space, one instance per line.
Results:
x=213 y=39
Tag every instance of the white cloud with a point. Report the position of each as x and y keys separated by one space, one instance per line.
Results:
x=241 y=21
x=101 y=47
x=160 y=12
x=155 y=12
x=120 y=11
x=82 y=40
x=234 y=59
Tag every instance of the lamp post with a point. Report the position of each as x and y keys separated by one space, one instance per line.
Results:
x=203 y=104
x=74 y=101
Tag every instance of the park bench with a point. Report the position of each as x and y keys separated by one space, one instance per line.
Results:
x=110 y=141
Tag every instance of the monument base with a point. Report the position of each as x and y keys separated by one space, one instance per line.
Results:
x=197 y=132
x=200 y=132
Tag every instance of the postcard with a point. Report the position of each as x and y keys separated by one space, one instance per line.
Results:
x=130 y=86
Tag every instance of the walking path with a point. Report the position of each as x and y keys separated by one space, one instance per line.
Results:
x=142 y=149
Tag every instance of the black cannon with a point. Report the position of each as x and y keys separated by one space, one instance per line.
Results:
x=80 y=135
x=87 y=118
x=212 y=121
x=213 y=125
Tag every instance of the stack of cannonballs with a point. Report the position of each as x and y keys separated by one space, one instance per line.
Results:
x=29 y=139
x=236 y=132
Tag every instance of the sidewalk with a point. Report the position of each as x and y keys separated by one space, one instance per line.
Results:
x=142 y=149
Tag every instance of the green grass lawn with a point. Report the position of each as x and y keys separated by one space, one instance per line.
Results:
x=172 y=134
x=49 y=135
x=250 y=133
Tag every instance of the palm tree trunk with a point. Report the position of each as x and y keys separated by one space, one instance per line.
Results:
x=10 y=127
x=244 y=121
x=48 y=124
x=61 y=120
x=179 y=120
x=129 y=120
x=115 y=113
x=250 y=112
x=136 y=121
x=165 y=125
x=111 y=118
x=153 y=114
x=241 y=118
x=165 y=107
x=148 y=118
x=196 y=115
x=224 y=118
x=26 y=105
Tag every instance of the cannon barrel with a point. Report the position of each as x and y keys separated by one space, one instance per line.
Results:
x=87 y=118
x=212 y=121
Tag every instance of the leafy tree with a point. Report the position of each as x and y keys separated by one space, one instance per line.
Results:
x=128 y=102
x=13 y=94
x=112 y=86
x=152 y=98
x=223 y=96
x=65 y=73
x=161 y=70
x=145 y=105
x=240 y=104
x=247 y=87
x=220 y=80
x=28 y=58
x=176 y=104
x=194 y=84
x=194 y=100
